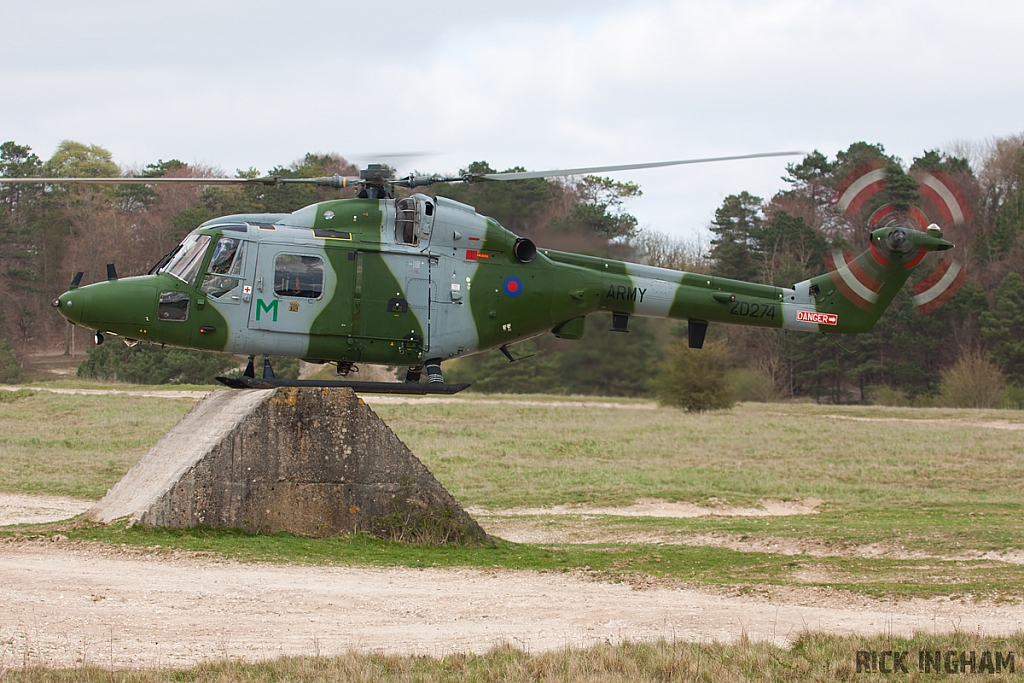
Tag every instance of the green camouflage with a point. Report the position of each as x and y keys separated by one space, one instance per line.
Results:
x=402 y=281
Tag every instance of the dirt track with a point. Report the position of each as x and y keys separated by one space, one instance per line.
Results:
x=133 y=607
x=17 y=508
x=369 y=398
x=62 y=599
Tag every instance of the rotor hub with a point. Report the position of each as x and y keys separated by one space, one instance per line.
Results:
x=897 y=240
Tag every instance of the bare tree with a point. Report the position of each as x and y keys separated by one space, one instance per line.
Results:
x=658 y=249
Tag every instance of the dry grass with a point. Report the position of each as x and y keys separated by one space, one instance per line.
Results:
x=918 y=484
x=941 y=476
x=502 y=456
x=812 y=657
x=77 y=446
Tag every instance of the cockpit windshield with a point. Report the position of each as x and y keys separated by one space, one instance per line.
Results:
x=186 y=262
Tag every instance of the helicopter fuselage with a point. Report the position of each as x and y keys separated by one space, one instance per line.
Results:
x=402 y=281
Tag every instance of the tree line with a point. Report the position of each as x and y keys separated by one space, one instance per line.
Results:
x=909 y=358
x=787 y=239
x=47 y=233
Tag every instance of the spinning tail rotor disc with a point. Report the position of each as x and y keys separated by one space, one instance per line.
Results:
x=939 y=197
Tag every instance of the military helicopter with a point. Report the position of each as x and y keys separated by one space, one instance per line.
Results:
x=418 y=280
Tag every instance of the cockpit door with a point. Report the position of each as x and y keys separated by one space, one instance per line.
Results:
x=289 y=288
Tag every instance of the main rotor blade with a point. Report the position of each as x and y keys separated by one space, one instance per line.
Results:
x=336 y=181
x=374 y=156
x=622 y=167
x=122 y=181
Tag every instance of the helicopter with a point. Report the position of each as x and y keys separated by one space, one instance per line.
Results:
x=418 y=280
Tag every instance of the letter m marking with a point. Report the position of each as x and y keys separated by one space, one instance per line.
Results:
x=269 y=308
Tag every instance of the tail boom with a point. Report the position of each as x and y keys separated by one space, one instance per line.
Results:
x=855 y=292
x=848 y=299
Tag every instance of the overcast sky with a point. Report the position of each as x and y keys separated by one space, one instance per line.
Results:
x=525 y=83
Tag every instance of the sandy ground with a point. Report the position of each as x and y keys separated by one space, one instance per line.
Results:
x=582 y=524
x=656 y=507
x=16 y=508
x=170 y=393
x=579 y=529
x=127 y=607
x=990 y=424
x=63 y=602
x=123 y=608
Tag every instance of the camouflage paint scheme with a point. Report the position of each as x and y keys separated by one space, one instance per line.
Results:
x=459 y=289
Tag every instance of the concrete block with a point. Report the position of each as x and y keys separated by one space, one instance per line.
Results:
x=313 y=462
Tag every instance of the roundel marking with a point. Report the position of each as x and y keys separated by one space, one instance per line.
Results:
x=513 y=286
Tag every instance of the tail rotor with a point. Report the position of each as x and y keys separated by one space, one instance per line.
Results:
x=941 y=204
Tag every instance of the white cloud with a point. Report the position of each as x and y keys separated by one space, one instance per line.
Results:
x=530 y=83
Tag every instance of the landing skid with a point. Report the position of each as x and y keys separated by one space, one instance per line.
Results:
x=244 y=382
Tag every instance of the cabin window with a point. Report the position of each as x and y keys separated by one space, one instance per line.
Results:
x=186 y=263
x=172 y=306
x=407 y=221
x=299 y=276
x=225 y=271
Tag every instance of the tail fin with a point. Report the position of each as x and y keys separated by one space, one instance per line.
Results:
x=855 y=292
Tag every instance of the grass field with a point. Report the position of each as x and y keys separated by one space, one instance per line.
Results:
x=77 y=445
x=930 y=490
x=503 y=456
x=927 y=490
x=812 y=657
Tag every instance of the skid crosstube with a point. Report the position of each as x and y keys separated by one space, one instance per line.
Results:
x=244 y=382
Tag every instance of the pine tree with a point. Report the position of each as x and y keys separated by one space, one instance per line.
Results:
x=1002 y=328
x=735 y=225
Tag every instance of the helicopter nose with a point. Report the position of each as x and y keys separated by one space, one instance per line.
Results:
x=71 y=305
x=114 y=305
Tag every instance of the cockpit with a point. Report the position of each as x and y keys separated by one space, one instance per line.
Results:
x=225 y=271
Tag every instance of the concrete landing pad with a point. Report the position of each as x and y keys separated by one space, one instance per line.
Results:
x=313 y=462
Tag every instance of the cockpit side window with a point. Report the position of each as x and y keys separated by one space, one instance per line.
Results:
x=225 y=271
x=224 y=255
x=186 y=263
